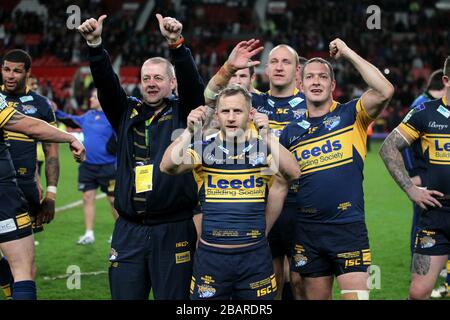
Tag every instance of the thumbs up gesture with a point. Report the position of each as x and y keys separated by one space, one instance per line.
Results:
x=91 y=30
x=170 y=28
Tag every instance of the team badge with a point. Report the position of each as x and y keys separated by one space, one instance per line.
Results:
x=427 y=242
x=299 y=113
x=296 y=101
x=29 y=109
x=3 y=103
x=256 y=158
x=206 y=291
x=332 y=122
x=300 y=260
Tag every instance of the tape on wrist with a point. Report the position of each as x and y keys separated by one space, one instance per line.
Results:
x=51 y=189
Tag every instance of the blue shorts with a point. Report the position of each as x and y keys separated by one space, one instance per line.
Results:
x=331 y=249
x=433 y=237
x=237 y=274
x=91 y=176
x=15 y=222
x=157 y=257
x=281 y=236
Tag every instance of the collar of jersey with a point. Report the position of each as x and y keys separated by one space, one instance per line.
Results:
x=332 y=108
x=296 y=91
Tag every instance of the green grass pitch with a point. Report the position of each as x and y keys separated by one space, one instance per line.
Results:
x=388 y=216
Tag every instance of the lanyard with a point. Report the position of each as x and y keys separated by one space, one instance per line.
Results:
x=147 y=125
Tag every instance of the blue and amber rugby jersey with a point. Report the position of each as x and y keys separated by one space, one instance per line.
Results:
x=430 y=123
x=233 y=187
x=6 y=167
x=23 y=148
x=330 y=151
x=281 y=111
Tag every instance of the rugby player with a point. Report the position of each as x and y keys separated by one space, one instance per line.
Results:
x=16 y=238
x=233 y=259
x=282 y=104
x=429 y=123
x=329 y=143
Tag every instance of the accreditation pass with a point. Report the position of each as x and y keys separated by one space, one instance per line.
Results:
x=144 y=178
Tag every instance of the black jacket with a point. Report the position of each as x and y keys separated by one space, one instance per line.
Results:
x=173 y=197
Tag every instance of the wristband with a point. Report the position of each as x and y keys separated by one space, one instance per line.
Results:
x=51 y=189
x=95 y=44
x=177 y=44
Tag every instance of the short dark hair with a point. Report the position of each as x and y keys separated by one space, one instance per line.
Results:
x=302 y=61
x=20 y=56
x=435 y=80
x=232 y=90
x=319 y=60
x=447 y=67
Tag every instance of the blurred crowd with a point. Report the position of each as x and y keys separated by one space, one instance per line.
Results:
x=410 y=44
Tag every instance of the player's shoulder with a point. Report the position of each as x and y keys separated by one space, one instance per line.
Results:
x=36 y=98
x=134 y=101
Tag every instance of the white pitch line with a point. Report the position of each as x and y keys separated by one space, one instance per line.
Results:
x=64 y=276
x=77 y=203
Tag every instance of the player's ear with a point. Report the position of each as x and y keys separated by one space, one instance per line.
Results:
x=333 y=85
x=251 y=114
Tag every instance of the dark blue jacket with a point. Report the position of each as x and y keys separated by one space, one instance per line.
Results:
x=173 y=197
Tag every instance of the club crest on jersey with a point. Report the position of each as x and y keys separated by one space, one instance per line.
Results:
x=299 y=113
x=296 y=101
x=29 y=109
x=331 y=123
x=256 y=158
x=3 y=103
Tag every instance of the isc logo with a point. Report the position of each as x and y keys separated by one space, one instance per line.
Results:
x=317 y=150
x=352 y=262
x=249 y=183
x=264 y=291
x=282 y=111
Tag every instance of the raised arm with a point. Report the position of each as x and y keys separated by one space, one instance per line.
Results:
x=178 y=158
x=111 y=95
x=239 y=58
x=381 y=90
x=390 y=152
x=190 y=83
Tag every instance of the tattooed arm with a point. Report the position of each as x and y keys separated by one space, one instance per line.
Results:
x=390 y=152
x=41 y=130
x=47 y=210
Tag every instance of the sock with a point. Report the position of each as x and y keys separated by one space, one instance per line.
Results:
x=287 y=292
x=6 y=278
x=24 y=290
x=89 y=233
